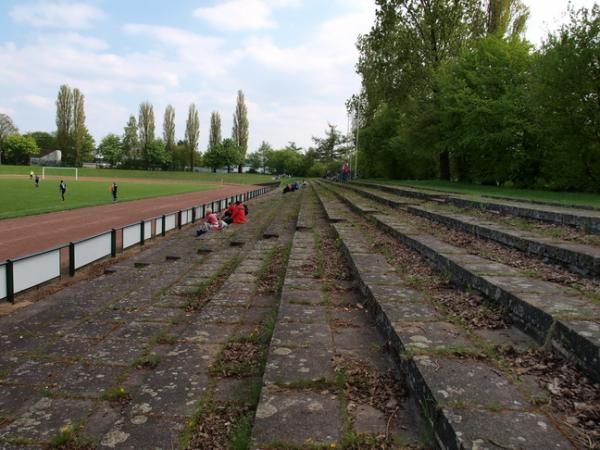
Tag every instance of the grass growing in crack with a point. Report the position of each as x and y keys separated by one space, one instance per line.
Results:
x=163 y=338
x=68 y=437
x=318 y=384
x=320 y=259
x=116 y=394
x=149 y=362
x=210 y=286
x=246 y=355
x=272 y=270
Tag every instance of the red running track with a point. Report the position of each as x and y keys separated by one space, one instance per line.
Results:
x=26 y=235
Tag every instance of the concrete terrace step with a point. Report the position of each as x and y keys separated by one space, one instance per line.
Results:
x=404 y=191
x=380 y=196
x=586 y=219
x=468 y=403
x=579 y=258
x=582 y=259
x=549 y=312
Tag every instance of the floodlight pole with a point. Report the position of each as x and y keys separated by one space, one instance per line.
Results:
x=348 y=137
x=356 y=152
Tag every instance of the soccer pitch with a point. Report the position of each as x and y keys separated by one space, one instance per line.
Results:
x=20 y=197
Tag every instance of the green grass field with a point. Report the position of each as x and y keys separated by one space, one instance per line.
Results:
x=20 y=197
x=565 y=198
x=235 y=178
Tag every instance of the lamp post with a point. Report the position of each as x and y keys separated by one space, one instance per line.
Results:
x=356 y=147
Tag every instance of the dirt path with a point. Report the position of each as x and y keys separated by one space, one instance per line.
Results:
x=25 y=235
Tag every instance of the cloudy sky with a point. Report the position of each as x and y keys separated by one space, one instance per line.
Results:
x=294 y=60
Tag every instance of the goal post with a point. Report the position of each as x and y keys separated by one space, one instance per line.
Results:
x=60 y=172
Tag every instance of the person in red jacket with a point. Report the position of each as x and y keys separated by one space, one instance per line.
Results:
x=239 y=213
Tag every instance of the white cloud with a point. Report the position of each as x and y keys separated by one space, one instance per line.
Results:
x=40 y=102
x=548 y=16
x=6 y=110
x=56 y=14
x=235 y=15
x=191 y=52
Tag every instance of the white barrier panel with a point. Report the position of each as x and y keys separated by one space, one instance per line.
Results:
x=36 y=270
x=198 y=212
x=131 y=235
x=169 y=222
x=189 y=214
x=92 y=249
x=158 y=225
x=2 y=281
x=147 y=230
x=183 y=218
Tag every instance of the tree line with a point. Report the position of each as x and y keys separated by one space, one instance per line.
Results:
x=137 y=147
x=453 y=90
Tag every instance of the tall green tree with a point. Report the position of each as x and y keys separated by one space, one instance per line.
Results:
x=169 y=129
x=146 y=130
x=328 y=147
x=130 y=140
x=240 y=130
x=485 y=115
x=506 y=17
x=7 y=128
x=214 y=137
x=566 y=96
x=64 y=118
x=111 y=149
x=78 y=130
x=398 y=59
x=192 y=133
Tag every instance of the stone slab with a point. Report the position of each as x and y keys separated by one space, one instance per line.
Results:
x=44 y=419
x=297 y=417
x=296 y=334
x=468 y=382
x=484 y=430
x=291 y=364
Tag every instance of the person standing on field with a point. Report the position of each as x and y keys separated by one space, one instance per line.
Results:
x=62 y=187
x=37 y=181
x=114 y=189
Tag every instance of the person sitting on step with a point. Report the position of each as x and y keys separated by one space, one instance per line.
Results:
x=211 y=222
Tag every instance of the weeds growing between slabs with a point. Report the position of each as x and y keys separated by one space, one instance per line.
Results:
x=20 y=197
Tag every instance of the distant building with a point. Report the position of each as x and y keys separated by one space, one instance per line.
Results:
x=54 y=158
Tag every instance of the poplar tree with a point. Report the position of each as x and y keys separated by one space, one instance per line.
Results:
x=64 y=118
x=146 y=130
x=239 y=132
x=192 y=133
x=214 y=137
x=130 y=138
x=79 y=130
x=169 y=129
x=506 y=17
